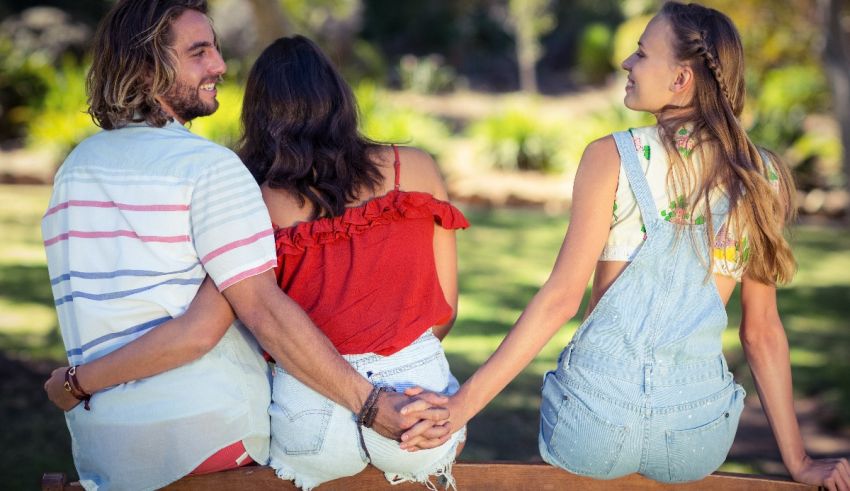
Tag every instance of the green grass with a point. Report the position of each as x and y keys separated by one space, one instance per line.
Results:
x=504 y=257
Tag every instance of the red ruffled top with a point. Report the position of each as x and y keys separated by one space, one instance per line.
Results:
x=367 y=278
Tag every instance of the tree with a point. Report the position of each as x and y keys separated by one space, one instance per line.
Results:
x=836 y=59
x=530 y=19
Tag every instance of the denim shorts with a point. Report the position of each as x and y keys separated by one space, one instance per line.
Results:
x=606 y=418
x=315 y=440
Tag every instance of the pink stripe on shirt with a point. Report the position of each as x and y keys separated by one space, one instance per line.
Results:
x=236 y=244
x=113 y=204
x=116 y=233
x=246 y=274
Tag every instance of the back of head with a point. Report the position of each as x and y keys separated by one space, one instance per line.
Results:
x=707 y=41
x=133 y=63
x=301 y=128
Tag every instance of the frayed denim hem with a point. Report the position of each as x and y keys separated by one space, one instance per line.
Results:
x=442 y=470
x=288 y=475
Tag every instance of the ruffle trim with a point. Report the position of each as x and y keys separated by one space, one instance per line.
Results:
x=391 y=207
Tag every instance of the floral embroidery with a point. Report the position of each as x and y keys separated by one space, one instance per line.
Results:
x=640 y=147
x=684 y=143
x=725 y=247
x=643 y=229
x=678 y=213
x=614 y=212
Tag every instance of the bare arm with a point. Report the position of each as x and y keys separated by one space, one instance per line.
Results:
x=558 y=299
x=766 y=347
x=170 y=345
x=445 y=252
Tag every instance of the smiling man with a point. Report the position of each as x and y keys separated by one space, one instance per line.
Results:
x=140 y=214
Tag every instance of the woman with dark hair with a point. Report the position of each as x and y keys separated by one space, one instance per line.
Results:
x=365 y=243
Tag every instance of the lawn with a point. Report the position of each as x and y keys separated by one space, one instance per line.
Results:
x=504 y=257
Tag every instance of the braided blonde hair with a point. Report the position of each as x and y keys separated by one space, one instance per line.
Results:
x=708 y=42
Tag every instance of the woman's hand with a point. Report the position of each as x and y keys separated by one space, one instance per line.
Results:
x=429 y=434
x=55 y=388
x=833 y=474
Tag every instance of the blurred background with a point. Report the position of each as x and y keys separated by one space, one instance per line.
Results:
x=505 y=94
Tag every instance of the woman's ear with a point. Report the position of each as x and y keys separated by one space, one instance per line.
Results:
x=684 y=79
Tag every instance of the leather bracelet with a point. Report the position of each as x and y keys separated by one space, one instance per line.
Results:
x=368 y=413
x=72 y=385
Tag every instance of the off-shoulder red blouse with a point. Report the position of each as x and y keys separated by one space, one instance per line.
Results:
x=367 y=278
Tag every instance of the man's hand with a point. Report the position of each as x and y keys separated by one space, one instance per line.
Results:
x=429 y=434
x=400 y=412
x=55 y=388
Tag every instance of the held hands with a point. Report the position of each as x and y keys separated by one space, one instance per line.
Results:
x=433 y=433
x=55 y=388
x=415 y=411
x=832 y=474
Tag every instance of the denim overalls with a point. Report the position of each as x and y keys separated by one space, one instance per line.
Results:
x=643 y=386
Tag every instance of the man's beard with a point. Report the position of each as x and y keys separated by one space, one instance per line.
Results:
x=186 y=102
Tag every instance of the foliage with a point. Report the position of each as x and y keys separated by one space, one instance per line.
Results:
x=426 y=74
x=594 y=53
x=61 y=121
x=516 y=139
x=21 y=88
x=382 y=122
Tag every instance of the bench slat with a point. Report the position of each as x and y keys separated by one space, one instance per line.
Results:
x=495 y=476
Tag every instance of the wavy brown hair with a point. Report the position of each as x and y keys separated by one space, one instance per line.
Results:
x=134 y=62
x=709 y=43
x=301 y=133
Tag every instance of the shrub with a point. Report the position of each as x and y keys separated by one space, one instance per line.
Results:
x=426 y=75
x=517 y=139
x=382 y=122
x=60 y=122
x=594 y=53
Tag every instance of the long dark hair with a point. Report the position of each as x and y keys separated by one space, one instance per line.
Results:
x=301 y=135
x=707 y=40
x=133 y=62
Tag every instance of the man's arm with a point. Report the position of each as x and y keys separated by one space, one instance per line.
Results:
x=288 y=334
x=165 y=347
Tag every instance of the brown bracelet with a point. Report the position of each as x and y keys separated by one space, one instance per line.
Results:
x=368 y=413
x=72 y=386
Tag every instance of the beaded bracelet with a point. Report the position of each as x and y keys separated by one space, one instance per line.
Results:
x=72 y=386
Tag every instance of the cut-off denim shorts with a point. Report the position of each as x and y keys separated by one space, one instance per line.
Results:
x=315 y=440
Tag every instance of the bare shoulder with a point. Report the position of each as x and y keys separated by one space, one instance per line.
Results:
x=419 y=171
x=284 y=208
x=601 y=158
x=602 y=150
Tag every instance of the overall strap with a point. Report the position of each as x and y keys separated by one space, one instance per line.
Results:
x=637 y=179
x=396 y=167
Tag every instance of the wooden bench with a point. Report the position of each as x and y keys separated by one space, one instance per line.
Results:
x=488 y=476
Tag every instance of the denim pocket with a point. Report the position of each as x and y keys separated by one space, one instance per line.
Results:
x=300 y=416
x=431 y=372
x=584 y=442
x=697 y=452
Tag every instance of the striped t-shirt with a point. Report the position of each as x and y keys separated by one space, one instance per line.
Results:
x=138 y=217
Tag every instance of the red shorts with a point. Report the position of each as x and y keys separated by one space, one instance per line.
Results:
x=229 y=457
